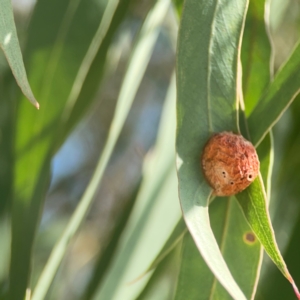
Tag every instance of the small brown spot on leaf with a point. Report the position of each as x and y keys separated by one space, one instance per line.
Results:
x=249 y=238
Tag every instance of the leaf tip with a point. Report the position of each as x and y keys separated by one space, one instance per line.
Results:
x=295 y=289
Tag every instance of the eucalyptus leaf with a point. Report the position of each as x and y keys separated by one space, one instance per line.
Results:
x=207 y=64
x=265 y=152
x=163 y=281
x=52 y=61
x=194 y=273
x=256 y=54
x=151 y=221
x=278 y=96
x=7 y=119
x=89 y=83
x=174 y=239
x=10 y=45
x=240 y=248
x=106 y=256
x=253 y=201
x=143 y=48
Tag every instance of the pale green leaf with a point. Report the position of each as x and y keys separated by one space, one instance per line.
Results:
x=207 y=64
x=140 y=57
x=10 y=45
x=152 y=220
x=163 y=281
x=52 y=62
x=174 y=239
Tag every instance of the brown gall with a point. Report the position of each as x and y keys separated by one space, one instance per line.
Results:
x=230 y=163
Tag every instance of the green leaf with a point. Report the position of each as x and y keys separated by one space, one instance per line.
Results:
x=152 y=220
x=162 y=283
x=178 y=5
x=10 y=45
x=278 y=96
x=94 y=75
x=256 y=58
x=236 y=227
x=194 y=274
x=235 y=237
x=207 y=64
x=174 y=239
x=272 y=286
x=5 y=238
x=256 y=55
x=54 y=54
x=242 y=256
x=139 y=60
x=7 y=119
x=104 y=260
x=253 y=201
x=285 y=208
x=265 y=153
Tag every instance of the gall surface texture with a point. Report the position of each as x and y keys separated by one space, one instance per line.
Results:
x=230 y=163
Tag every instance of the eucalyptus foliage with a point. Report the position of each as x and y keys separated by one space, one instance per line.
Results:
x=174 y=239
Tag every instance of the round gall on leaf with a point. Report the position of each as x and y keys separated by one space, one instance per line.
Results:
x=230 y=163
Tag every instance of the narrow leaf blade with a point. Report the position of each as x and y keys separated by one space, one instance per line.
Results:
x=10 y=45
x=207 y=102
x=241 y=250
x=278 y=96
x=243 y=257
x=144 y=45
x=256 y=54
x=254 y=205
x=52 y=71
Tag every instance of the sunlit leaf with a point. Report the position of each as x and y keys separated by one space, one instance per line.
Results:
x=162 y=283
x=151 y=221
x=139 y=60
x=174 y=239
x=207 y=64
x=53 y=56
x=10 y=45
x=106 y=256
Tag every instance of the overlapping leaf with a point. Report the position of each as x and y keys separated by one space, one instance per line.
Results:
x=239 y=247
x=139 y=60
x=256 y=54
x=54 y=53
x=151 y=221
x=254 y=200
x=207 y=63
x=254 y=204
x=277 y=97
